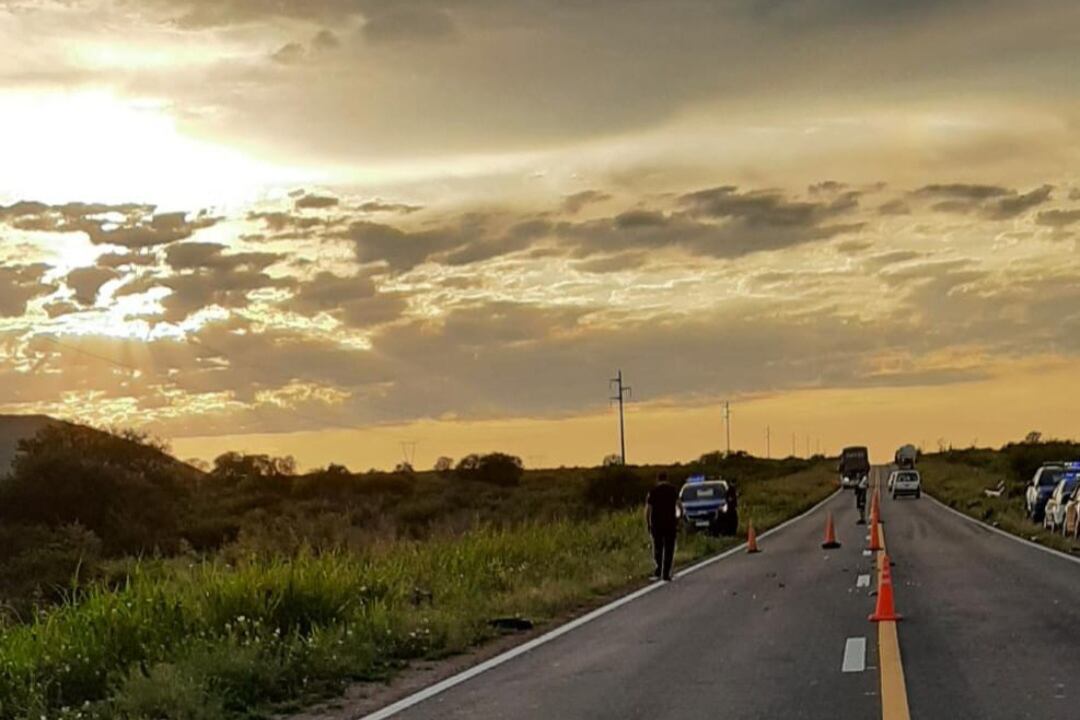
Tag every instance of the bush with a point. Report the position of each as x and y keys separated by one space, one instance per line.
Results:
x=123 y=488
x=616 y=486
x=41 y=564
x=494 y=469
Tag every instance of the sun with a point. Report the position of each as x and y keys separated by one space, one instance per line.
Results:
x=96 y=146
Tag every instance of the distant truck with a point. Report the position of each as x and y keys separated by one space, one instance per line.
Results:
x=906 y=456
x=854 y=465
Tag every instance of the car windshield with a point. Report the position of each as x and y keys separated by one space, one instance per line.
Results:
x=704 y=491
x=1070 y=482
x=907 y=477
x=1049 y=478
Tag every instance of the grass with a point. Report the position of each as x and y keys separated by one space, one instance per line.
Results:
x=959 y=481
x=224 y=638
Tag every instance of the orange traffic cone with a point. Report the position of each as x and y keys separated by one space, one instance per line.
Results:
x=830 y=535
x=885 y=611
x=875 y=540
x=751 y=539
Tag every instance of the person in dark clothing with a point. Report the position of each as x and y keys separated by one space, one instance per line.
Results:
x=661 y=519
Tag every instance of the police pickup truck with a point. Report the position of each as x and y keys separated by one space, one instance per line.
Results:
x=705 y=504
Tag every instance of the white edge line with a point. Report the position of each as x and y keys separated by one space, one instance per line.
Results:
x=444 y=685
x=1006 y=533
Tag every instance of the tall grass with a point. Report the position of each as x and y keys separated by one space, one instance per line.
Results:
x=215 y=639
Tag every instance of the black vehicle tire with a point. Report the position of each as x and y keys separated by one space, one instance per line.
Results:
x=918 y=494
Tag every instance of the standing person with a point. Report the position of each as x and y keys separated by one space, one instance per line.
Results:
x=861 y=487
x=661 y=519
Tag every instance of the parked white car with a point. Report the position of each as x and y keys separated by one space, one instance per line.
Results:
x=1054 y=512
x=905 y=482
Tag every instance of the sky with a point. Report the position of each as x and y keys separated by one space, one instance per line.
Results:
x=359 y=231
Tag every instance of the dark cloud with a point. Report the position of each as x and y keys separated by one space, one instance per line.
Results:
x=86 y=282
x=19 y=284
x=204 y=275
x=325 y=40
x=279 y=221
x=963 y=191
x=613 y=263
x=355 y=300
x=378 y=206
x=127 y=225
x=1058 y=218
x=572 y=204
x=1015 y=205
x=990 y=201
x=128 y=259
x=894 y=207
x=853 y=247
x=317 y=202
x=289 y=54
x=212 y=256
x=402 y=23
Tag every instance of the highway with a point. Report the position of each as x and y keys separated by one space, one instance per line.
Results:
x=990 y=630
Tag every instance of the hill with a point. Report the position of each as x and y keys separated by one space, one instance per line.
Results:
x=14 y=428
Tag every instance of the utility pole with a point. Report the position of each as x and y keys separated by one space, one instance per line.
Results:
x=727 y=425
x=794 y=452
x=768 y=439
x=807 y=446
x=622 y=392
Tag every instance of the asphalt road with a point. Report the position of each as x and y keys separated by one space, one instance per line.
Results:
x=990 y=631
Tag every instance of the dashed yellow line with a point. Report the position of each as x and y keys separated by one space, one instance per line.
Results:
x=894 y=700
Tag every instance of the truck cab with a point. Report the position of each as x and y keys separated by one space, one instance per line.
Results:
x=854 y=466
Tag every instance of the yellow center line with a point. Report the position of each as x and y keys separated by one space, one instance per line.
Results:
x=894 y=700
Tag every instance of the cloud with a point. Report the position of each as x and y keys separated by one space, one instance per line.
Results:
x=402 y=23
x=572 y=204
x=317 y=202
x=212 y=256
x=378 y=206
x=325 y=40
x=86 y=282
x=19 y=284
x=1058 y=218
x=289 y=54
x=894 y=207
x=356 y=300
x=991 y=201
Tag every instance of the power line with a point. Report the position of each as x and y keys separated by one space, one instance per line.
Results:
x=622 y=392
x=727 y=425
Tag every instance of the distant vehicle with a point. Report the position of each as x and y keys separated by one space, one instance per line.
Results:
x=905 y=457
x=905 y=482
x=1040 y=488
x=854 y=465
x=1054 y=511
x=704 y=506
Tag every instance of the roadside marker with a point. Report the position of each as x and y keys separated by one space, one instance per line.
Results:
x=854 y=655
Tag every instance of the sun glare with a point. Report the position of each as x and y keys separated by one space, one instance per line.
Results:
x=93 y=146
